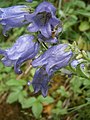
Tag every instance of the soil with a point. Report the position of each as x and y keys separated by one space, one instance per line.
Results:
x=13 y=112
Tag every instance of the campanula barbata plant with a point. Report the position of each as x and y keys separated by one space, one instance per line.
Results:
x=46 y=28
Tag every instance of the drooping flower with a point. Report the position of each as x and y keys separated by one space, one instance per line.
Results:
x=40 y=81
x=12 y=17
x=43 y=19
x=22 y=50
x=54 y=58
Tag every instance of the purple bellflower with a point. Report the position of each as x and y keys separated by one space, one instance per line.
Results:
x=40 y=81
x=29 y=0
x=22 y=50
x=54 y=58
x=75 y=63
x=12 y=17
x=43 y=19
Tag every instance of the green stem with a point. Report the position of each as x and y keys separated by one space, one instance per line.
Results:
x=45 y=45
x=77 y=107
x=59 y=5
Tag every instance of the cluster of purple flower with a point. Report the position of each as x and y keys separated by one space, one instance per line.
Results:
x=43 y=21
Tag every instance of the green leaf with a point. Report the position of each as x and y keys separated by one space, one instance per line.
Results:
x=59 y=104
x=22 y=95
x=1 y=65
x=16 y=88
x=86 y=82
x=21 y=99
x=63 y=111
x=88 y=99
x=61 y=13
x=59 y=111
x=37 y=109
x=82 y=12
x=81 y=72
x=13 y=82
x=3 y=87
x=84 y=26
x=26 y=103
x=8 y=69
x=34 y=4
x=88 y=7
x=63 y=92
x=74 y=17
x=76 y=82
x=80 y=4
x=31 y=88
x=88 y=93
x=69 y=23
x=13 y=97
x=46 y=100
x=32 y=71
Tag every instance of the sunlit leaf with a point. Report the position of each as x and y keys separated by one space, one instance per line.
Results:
x=84 y=26
x=37 y=109
x=46 y=100
x=13 y=97
x=27 y=103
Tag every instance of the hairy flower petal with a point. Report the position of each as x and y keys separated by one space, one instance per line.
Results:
x=43 y=19
x=46 y=5
x=40 y=81
x=13 y=16
x=22 y=50
x=54 y=58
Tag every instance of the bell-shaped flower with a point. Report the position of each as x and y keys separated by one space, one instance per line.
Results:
x=43 y=19
x=12 y=17
x=54 y=58
x=24 y=49
x=40 y=81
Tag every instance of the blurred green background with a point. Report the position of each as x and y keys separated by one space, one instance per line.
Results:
x=67 y=98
